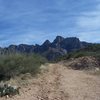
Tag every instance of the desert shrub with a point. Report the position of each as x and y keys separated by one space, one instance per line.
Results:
x=16 y=64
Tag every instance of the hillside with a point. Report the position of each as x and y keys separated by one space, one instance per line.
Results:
x=51 y=50
x=91 y=50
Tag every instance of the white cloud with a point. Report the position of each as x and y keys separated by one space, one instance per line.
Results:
x=90 y=36
x=90 y=20
x=88 y=25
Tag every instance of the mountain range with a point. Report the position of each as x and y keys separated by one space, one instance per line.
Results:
x=51 y=50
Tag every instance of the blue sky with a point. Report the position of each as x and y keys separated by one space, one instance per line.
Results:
x=34 y=21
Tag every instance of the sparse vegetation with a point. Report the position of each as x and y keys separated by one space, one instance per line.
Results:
x=91 y=50
x=16 y=64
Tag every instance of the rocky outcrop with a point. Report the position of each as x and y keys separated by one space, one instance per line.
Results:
x=59 y=47
x=85 y=63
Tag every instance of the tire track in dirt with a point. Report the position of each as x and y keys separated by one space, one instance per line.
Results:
x=50 y=85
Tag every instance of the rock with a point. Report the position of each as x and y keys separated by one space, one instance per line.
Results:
x=88 y=63
x=8 y=90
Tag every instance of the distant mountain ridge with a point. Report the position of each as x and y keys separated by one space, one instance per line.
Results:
x=51 y=50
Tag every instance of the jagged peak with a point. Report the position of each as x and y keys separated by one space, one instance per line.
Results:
x=10 y=46
x=46 y=42
x=59 y=39
x=37 y=45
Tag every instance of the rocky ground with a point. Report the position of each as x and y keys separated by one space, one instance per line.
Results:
x=57 y=82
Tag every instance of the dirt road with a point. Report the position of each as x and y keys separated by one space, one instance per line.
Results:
x=59 y=83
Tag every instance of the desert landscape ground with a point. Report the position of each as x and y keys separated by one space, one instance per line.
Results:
x=57 y=82
x=49 y=49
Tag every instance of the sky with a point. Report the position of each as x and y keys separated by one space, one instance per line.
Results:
x=34 y=21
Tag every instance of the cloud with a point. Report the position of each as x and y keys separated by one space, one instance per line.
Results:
x=88 y=25
x=34 y=21
x=92 y=36
x=90 y=20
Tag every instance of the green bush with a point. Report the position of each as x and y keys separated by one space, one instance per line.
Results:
x=16 y=64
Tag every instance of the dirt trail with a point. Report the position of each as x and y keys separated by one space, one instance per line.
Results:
x=60 y=83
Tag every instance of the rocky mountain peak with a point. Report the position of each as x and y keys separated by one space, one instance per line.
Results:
x=58 y=39
x=47 y=42
x=51 y=50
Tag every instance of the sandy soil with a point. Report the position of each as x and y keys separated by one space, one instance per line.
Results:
x=59 y=83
